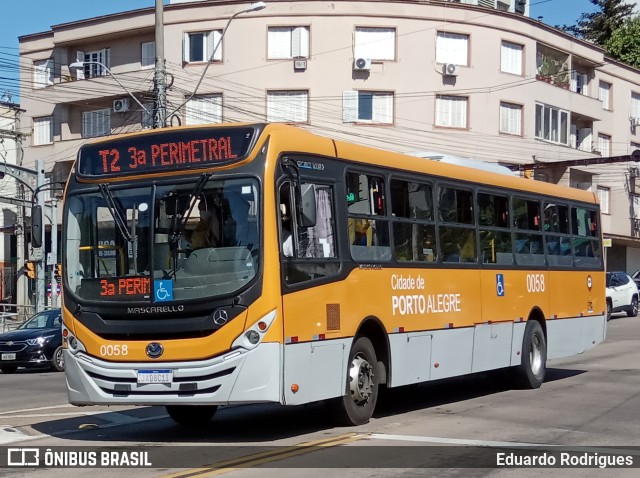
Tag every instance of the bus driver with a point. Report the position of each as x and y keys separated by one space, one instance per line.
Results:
x=207 y=231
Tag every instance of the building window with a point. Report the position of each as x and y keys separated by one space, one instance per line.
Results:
x=603 y=196
x=375 y=43
x=367 y=107
x=552 y=124
x=96 y=123
x=147 y=54
x=451 y=111
x=203 y=109
x=287 y=42
x=287 y=106
x=634 y=107
x=604 y=145
x=42 y=130
x=580 y=83
x=511 y=58
x=43 y=73
x=604 y=94
x=96 y=63
x=510 y=118
x=199 y=46
x=452 y=48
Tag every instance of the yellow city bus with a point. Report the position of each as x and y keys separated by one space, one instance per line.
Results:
x=331 y=269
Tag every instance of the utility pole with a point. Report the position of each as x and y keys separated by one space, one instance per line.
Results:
x=40 y=265
x=160 y=78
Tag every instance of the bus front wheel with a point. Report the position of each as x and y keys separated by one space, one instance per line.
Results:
x=530 y=373
x=191 y=415
x=357 y=406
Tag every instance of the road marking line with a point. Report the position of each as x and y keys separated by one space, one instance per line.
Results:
x=9 y=434
x=455 y=441
x=66 y=405
x=502 y=444
x=264 y=457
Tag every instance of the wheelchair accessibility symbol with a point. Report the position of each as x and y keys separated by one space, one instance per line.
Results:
x=163 y=290
x=500 y=285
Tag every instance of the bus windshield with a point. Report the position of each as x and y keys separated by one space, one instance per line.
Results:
x=163 y=243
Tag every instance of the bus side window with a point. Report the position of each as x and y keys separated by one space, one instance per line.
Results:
x=368 y=229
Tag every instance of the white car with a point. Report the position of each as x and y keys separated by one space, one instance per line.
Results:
x=622 y=294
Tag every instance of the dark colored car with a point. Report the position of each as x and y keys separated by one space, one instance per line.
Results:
x=36 y=343
x=636 y=278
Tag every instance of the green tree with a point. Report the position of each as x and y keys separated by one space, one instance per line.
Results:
x=598 y=26
x=624 y=43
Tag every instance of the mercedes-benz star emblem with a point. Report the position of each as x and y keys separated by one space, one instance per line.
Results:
x=220 y=317
x=154 y=350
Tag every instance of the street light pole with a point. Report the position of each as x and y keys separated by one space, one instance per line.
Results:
x=251 y=8
x=76 y=65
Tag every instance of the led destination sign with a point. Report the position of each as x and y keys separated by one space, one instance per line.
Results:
x=174 y=150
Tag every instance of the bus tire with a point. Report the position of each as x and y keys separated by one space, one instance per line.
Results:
x=358 y=405
x=530 y=373
x=191 y=415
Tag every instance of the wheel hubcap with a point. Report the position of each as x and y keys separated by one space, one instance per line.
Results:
x=535 y=356
x=360 y=380
x=60 y=359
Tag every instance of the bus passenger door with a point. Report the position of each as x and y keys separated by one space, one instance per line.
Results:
x=313 y=362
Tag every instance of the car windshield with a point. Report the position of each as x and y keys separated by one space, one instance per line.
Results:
x=163 y=243
x=44 y=320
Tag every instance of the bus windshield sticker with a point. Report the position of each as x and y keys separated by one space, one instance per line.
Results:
x=500 y=285
x=163 y=290
x=174 y=150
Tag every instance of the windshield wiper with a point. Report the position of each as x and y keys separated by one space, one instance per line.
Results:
x=115 y=213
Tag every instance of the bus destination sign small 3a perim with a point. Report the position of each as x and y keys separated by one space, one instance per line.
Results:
x=175 y=150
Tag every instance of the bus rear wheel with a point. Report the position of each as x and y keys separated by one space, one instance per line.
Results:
x=357 y=406
x=530 y=373
x=191 y=415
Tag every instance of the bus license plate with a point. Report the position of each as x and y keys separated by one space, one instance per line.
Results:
x=155 y=376
x=8 y=356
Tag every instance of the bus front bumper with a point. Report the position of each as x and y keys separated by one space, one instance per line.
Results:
x=239 y=376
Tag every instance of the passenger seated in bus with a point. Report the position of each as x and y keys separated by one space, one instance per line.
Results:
x=207 y=231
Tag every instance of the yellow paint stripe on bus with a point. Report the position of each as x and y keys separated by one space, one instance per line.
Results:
x=265 y=457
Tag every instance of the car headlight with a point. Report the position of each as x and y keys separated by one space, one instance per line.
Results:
x=39 y=340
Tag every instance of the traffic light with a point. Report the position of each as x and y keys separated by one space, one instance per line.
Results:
x=30 y=269
x=58 y=270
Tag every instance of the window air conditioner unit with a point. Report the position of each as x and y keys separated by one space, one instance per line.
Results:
x=450 y=69
x=635 y=121
x=120 y=106
x=361 y=64
x=299 y=64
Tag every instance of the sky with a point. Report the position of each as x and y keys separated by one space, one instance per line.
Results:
x=23 y=17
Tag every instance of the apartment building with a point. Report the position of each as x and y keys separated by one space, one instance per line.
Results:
x=429 y=77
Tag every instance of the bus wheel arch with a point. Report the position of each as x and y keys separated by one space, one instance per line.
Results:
x=531 y=371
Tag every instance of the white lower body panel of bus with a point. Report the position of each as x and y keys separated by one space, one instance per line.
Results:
x=240 y=376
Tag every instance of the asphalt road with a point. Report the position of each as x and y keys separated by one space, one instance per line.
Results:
x=453 y=427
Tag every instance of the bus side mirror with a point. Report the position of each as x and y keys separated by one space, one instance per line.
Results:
x=36 y=226
x=307 y=208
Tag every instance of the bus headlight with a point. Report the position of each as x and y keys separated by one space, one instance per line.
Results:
x=254 y=334
x=73 y=344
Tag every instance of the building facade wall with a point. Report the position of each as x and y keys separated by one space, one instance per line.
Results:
x=245 y=76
